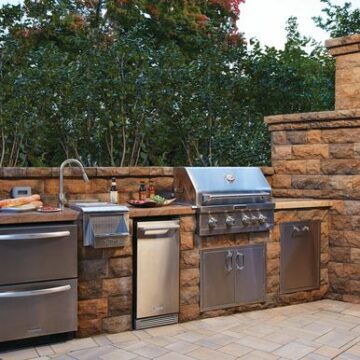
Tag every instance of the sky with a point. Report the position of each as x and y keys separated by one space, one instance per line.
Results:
x=266 y=19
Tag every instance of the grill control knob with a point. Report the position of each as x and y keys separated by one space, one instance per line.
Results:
x=254 y=220
x=230 y=221
x=246 y=219
x=212 y=222
x=262 y=218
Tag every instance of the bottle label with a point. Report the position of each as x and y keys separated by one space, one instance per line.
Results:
x=114 y=197
x=142 y=195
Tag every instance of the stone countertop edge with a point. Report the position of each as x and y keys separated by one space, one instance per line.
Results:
x=37 y=217
x=286 y=203
x=171 y=210
x=7 y=218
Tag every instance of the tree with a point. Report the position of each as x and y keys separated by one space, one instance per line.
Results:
x=125 y=84
x=339 y=20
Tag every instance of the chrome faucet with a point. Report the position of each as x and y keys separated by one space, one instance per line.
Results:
x=62 y=198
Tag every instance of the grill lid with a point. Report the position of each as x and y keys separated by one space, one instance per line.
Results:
x=224 y=185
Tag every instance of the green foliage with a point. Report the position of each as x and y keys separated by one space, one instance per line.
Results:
x=340 y=20
x=100 y=81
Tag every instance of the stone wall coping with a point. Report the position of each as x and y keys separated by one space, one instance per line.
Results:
x=95 y=172
x=53 y=172
x=342 y=41
x=291 y=203
x=353 y=114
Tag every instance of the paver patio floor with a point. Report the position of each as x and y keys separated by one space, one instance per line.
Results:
x=318 y=330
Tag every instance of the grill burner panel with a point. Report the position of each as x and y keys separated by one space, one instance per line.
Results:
x=228 y=199
x=231 y=221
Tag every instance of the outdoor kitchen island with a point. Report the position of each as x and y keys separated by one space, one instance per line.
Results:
x=105 y=292
x=106 y=275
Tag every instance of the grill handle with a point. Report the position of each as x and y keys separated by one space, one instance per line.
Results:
x=207 y=197
x=35 y=236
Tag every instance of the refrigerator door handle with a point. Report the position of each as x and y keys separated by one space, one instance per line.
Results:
x=157 y=230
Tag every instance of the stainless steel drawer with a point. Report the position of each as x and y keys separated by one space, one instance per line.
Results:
x=38 y=309
x=37 y=253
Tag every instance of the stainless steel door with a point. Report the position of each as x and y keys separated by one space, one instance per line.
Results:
x=157 y=287
x=300 y=256
x=217 y=279
x=250 y=274
x=38 y=309
x=37 y=253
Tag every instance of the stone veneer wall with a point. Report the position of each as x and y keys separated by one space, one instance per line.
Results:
x=45 y=181
x=104 y=289
x=317 y=155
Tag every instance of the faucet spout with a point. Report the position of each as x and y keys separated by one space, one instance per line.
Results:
x=62 y=198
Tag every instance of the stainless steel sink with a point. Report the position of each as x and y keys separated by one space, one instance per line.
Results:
x=90 y=204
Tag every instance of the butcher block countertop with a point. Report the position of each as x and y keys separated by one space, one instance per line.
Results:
x=285 y=203
x=169 y=210
x=7 y=218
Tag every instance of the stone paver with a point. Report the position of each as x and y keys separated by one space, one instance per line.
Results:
x=319 y=330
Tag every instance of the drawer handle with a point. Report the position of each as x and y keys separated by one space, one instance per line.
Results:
x=18 y=294
x=44 y=235
x=240 y=265
x=228 y=265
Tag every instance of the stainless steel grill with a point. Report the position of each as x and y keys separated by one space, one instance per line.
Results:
x=228 y=199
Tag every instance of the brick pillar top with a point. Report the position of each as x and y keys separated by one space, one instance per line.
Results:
x=344 y=45
x=346 y=50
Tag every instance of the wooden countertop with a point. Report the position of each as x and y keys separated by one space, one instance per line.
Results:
x=37 y=217
x=285 y=203
x=161 y=211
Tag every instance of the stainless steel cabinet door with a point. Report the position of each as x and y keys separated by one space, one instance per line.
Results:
x=300 y=256
x=157 y=285
x=217 y=279
x=37 y=253
x=250 y=274
x=38 y=309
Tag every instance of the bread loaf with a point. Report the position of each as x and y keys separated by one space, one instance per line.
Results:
x=19 y=201
x=37 y=203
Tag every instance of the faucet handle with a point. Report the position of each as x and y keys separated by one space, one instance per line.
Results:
x=62 y=201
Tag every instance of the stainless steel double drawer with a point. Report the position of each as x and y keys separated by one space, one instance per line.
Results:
x=37 y=253
x=37 y=309
x=38 y=280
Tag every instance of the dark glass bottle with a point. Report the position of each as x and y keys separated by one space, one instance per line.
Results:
x=142 y=191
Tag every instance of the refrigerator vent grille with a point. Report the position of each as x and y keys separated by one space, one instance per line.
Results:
x=156 y=321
